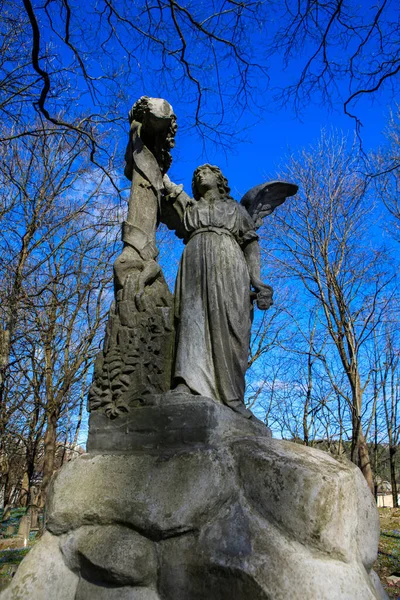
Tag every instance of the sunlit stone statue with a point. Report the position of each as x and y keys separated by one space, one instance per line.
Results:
x=202 y=346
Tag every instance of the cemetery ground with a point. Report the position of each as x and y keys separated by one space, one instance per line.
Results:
x=387 y=565
x=11 y=557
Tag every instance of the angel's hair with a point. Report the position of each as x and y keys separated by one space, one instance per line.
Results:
x=222 y=182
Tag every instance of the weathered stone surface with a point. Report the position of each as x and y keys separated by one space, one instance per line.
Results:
x=278 y=562
x=160 y=495
x=240 y=556
x=43 y=575
x=184 y=495
x=219 y=276
x=314 y=503
x=90 y=591
x=11 y=529
x=380 y=592
x=367 y=521
x=24 y=529
x=111 y=554
x=137 y=356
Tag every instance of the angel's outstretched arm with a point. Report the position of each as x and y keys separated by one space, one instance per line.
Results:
x=174 y=202
x=175 y=196
x=253 y=259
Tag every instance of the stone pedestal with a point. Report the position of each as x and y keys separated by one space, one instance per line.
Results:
x=198 y=503
x=167 y=422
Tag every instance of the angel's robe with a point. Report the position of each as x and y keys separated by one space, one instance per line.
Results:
x=212 y=299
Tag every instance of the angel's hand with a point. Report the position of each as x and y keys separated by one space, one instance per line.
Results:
x=127 y=262
x=171 y=189
x=264 y=294
x=264 y=300
x=167 y=183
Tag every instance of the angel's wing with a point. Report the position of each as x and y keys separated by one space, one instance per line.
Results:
x=262 y=199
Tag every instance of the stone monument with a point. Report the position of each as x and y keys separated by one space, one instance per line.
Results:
x=183 y=494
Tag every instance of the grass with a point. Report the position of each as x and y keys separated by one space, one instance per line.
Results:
x=10 y=559
x=388 y=562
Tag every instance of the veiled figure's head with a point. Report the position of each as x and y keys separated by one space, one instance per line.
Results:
x=154 y=120
x=155 y=114
x=209 y=177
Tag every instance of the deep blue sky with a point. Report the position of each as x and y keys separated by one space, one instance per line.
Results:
x=264 y=137
x=268 y=142
x=270 y=131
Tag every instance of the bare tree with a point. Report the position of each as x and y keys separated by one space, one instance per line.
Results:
x=56 y=241
x=323 y=241
x=69 y=319
x=89 y=61
x=387 y=167
x=387 y=373
x=294 y=378
x=78 y=66
x=344 y=51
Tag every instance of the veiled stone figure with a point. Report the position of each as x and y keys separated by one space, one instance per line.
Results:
x=213 y=296
x=137 y=354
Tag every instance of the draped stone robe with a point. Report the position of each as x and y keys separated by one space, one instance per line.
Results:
x=212 y=298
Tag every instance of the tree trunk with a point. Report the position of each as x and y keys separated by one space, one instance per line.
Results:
x=392 y=454
x=4 y=481
x=364 y=461
x=6 y=512
x=23 y=499
x=50 y=439
x=308 y=400
x=30 y=468
x=8 y=490
x=78 y=424
x=376 y=456
x=4 y=359
x=359 y=448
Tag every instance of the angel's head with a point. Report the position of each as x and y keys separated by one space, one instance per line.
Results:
x=208 y=177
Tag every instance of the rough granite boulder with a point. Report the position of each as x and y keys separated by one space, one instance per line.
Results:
x=228 y=513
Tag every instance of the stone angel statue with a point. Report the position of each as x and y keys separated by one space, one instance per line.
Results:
x=218 y=278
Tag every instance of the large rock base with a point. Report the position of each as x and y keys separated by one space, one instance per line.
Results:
x=193 y=519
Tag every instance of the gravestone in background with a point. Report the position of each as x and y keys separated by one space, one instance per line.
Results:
x=183 y=494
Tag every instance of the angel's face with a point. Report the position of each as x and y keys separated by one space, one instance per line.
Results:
x=206 y=180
